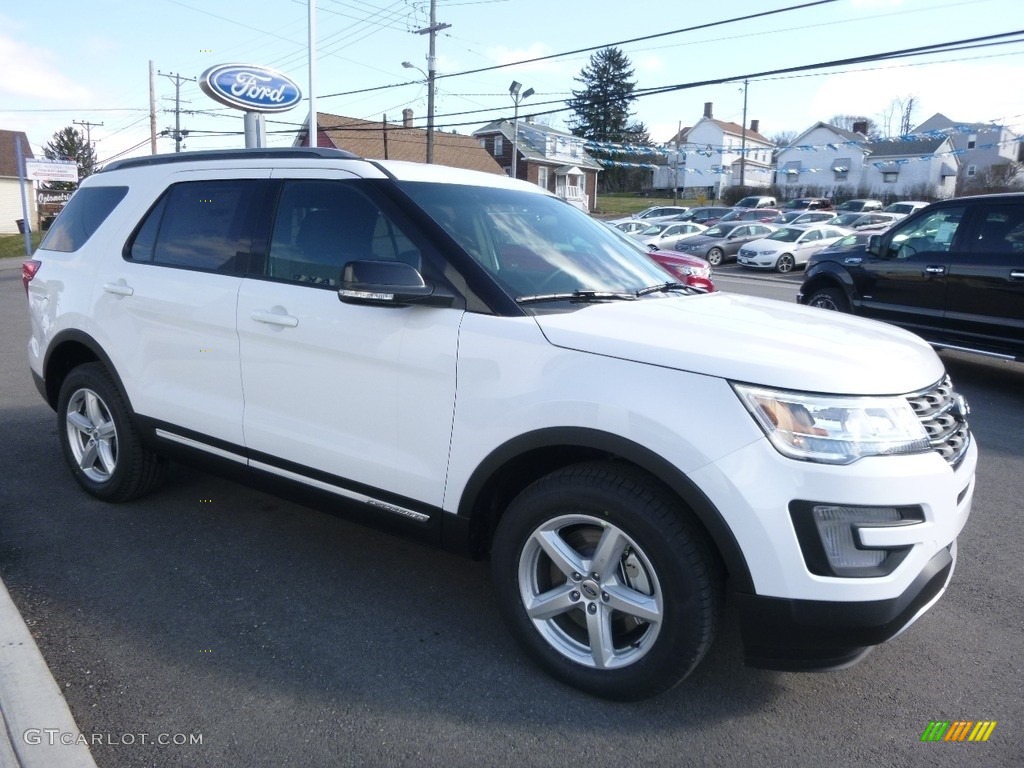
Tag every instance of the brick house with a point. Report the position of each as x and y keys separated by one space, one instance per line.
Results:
x=388 y=141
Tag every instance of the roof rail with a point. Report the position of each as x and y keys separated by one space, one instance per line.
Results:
x=277 y=153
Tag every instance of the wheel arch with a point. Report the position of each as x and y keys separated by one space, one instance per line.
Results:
x=824 y=277
x=513 y=466
x=68 y=350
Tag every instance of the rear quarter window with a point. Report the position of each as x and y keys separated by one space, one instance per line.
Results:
x=81 y=217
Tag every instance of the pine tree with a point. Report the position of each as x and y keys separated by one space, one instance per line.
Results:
x=69 y=144
x=602 y=110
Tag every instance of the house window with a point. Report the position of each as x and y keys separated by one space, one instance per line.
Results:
x=890 y=177
x=971 y=170
x=508 y=170
x=840 y=174
x=483 y=143
x=499 y=146
x=542 y=176
x=972 y=141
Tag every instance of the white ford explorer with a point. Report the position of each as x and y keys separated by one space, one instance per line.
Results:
x=465 y=359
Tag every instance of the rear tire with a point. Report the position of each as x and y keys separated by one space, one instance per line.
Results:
x=605 y=582
x=99 y=439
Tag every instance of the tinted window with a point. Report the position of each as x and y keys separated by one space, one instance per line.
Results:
x=202 y=225
x=928 y=234
x=1001 y=230
x=82 y=216
x=322 y=225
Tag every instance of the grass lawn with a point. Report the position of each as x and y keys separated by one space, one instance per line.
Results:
x=13 y=246
x=617 y=204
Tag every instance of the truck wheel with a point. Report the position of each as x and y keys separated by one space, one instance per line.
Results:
x=829 y=298
x=100 y=442
x=605 y=582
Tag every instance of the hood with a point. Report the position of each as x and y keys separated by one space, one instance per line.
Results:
x=752 y=340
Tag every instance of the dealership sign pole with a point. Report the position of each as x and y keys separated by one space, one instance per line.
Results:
x=253 y=89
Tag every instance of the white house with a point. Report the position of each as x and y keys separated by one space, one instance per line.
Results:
x=716 y=154
x=10 y=185
x=979 y=146
x=922 y=168
x=823 y=160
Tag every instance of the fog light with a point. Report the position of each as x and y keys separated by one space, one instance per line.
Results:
x=830 y=542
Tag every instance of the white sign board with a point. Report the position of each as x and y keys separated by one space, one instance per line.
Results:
x=51 y=170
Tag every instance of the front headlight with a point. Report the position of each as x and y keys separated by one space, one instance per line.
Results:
x=834 y=430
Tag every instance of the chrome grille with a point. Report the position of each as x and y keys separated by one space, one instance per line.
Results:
x=943 y=413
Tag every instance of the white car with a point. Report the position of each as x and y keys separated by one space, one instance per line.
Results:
x=788 y=247
x=631 y=227
x=653 y=213
x=464 y=359
x=663 y=234
x=906 y=207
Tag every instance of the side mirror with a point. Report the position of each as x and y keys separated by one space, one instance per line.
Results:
x=874 y=245
x=389 y=283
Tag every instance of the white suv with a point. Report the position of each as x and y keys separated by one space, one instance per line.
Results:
x=465 y=359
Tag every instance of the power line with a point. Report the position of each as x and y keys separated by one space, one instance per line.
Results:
x=594 y=47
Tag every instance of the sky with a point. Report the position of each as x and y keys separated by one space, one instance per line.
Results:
x=68 y=63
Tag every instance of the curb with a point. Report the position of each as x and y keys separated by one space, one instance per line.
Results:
x=32 y=708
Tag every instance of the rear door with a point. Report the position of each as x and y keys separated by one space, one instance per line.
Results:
x=985 y=294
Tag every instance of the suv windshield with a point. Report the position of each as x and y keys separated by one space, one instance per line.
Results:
x=535 y=244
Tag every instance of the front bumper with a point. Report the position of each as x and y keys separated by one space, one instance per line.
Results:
x=811 y=635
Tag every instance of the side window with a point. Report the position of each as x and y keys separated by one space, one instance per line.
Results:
x=929 y=234
x=322 y=225
x=811 y=236
x=82 y=216
x=202 y=225
x=1000 y=231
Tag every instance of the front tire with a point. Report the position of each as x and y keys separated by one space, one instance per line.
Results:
x=829 y=298
x=605 y=582
x=786 y=263
x=99 y=440
x=715 y=257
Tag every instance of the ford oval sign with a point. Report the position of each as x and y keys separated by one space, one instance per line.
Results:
x=249 y=87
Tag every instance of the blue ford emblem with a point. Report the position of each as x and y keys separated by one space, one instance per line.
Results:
x=250 y=87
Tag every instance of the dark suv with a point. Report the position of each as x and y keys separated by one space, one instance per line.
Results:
x=952 y=272
x=808 y=204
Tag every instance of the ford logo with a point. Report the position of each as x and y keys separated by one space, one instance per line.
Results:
x=249 y=87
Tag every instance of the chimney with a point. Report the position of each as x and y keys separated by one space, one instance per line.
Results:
x=407 y=118
x=754 y=125
x=861 y=127
x=707 y=109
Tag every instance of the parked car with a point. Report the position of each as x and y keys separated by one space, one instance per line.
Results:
x=844 y=219
x=631 y=227
x=854 y=243
x=906 y=207
x=723 y=240
x=750 y=214
x=662 y=233
x=802 y=217
x=953 y=273
x=859 y=205
x=756 y=201
x=875 y=220
x=788 y=247
x=688 y=270
x=652 y=214
x=809 y=204
x=463 y=359
x=706 y=215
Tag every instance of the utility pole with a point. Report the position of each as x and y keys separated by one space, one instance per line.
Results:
x=152 y=110
x=88 y=139
x=178 y=80
x=432 y=30
x=743 y=140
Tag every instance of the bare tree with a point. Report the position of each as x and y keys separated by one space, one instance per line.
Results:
x=896 y=118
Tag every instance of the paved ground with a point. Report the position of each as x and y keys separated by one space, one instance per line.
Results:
x=284 y=637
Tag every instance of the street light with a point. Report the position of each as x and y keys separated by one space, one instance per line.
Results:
x=514 y=92
x=429 y=74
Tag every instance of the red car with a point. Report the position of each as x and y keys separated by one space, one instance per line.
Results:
x=688 y=270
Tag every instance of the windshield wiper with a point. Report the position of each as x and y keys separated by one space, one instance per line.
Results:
x=582 y=297
x=663 y=287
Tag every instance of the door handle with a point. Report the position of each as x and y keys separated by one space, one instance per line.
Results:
x=120 y=288
x=1017 y=274
x=934 y=271
x=274 y=318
